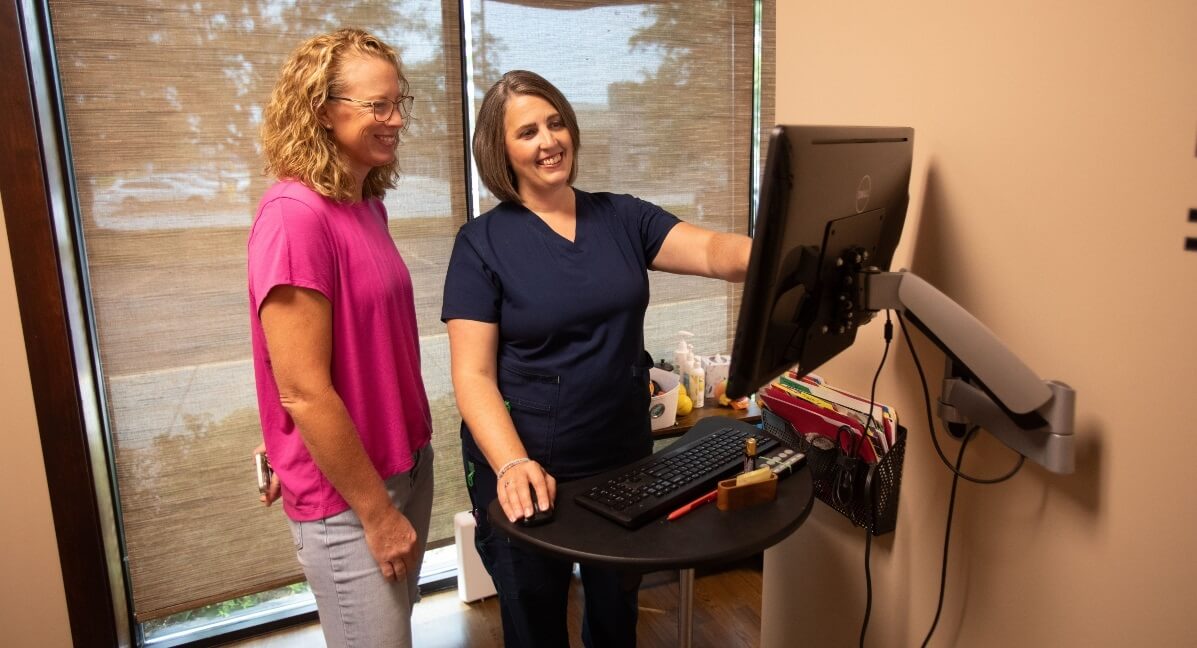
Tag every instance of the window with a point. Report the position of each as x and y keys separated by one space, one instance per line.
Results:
x=161 y=108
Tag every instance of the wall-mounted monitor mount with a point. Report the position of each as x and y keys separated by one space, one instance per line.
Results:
x=832 y=205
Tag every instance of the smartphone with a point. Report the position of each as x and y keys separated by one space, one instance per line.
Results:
x=262 y=466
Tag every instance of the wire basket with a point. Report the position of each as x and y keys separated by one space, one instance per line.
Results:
x=866 y=494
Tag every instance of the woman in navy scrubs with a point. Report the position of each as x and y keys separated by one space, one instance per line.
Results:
x=545 y=300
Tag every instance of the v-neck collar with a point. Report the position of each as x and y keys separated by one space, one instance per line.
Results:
x=554 y=235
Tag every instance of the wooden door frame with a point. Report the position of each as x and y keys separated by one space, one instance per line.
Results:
x=25 y=189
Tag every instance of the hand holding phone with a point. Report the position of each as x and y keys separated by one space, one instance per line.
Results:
x=264 y=471
x=269 y=488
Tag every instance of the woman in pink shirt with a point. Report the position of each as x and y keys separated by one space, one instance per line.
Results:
x=345 y=419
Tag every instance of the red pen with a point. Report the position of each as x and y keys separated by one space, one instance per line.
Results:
x=709 y=497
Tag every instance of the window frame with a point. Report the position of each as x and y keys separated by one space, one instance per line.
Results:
x=32 y=186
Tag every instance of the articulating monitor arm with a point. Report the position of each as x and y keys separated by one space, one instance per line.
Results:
x=986 y=384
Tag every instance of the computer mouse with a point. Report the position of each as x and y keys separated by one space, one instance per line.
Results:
x=538 y=517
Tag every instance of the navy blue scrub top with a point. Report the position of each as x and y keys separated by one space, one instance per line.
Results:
x=571 y=364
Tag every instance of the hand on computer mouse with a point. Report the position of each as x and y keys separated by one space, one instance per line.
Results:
x=538 y=516
x=525 y=483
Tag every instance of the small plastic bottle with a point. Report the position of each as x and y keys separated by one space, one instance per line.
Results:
x=696 y=382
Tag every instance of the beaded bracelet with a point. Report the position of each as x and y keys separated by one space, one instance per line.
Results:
x=509 y=465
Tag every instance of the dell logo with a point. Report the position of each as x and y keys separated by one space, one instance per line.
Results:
x=863 y=191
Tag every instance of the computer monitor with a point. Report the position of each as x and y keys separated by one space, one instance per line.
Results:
x=832 y=202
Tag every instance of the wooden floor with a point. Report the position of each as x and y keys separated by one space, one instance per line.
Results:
x=727 y=614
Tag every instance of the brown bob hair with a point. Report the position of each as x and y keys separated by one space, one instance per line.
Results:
x=294 y=144
x=490 y=143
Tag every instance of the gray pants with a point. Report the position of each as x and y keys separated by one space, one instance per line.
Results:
x=357 y=607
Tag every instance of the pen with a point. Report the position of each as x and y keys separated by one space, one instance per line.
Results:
x=709 y=497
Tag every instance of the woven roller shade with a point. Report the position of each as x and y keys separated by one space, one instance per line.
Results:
x=663 y=93
x=163 y=107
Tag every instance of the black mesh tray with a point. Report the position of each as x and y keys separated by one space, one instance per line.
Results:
x=868 y=493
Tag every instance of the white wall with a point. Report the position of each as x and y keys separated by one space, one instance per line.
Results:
x=33 y=609
x=1055 y=166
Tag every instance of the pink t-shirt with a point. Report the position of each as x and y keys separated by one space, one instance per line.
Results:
x=345 y=252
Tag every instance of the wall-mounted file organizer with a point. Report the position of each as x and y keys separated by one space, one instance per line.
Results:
x=866 y=494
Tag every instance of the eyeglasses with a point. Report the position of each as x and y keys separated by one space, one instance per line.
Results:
x=383 y=108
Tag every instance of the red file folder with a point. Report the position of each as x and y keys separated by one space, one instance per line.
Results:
x=806 y=417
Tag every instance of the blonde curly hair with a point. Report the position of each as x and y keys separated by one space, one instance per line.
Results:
x=294 y=144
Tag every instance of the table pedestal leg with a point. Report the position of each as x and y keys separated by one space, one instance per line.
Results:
x=685 y=607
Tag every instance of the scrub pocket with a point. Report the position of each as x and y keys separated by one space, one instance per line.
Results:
x=640 y=379
x=532 y=399
x=639 y=431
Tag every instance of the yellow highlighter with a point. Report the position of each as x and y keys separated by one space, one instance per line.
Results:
x=754 y=476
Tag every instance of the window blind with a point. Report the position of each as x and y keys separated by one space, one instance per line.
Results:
x=663 y=93
x=163 y=103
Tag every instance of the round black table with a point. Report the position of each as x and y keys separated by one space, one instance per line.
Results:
x=701 y=538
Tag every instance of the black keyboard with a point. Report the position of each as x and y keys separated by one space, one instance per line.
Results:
x=667 y=480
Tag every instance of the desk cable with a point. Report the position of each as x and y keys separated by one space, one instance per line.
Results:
x=864 y=626
x=957 y=475
x=947 y=534
x=931 y=421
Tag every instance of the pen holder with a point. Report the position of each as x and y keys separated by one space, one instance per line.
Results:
x=866 y=494
x=730 y=497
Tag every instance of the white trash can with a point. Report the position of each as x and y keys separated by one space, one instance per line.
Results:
x=473 y=583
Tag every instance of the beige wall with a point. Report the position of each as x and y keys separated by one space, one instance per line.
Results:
x=1054 y=171
x=33 y=608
